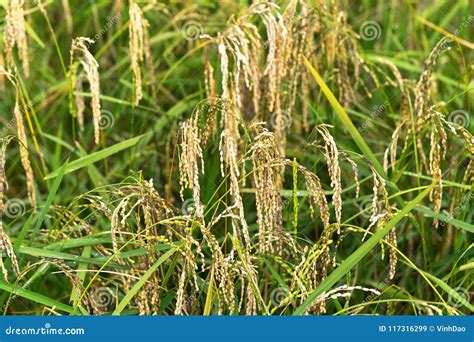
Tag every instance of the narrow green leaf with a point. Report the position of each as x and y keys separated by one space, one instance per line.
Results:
x=79 y=242
x=33 y=35
x=275 y=274
x=452 y=292
x=210 y=295
x=133 y=291
x=35 y=297
x=251 y=280
x=96 y=156
x=75 y=292
x=442 y=217
x=44 y=253
x=43 y=212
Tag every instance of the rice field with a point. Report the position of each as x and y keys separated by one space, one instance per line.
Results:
x=297 y=157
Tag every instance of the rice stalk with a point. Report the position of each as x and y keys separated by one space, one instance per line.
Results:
x=139 y=47
x=80 y=48
x=22 y=139
x=191 y=162
x=14 y=33
x=331 y=154
x=80 y=104
x=24 y=154
x=229 y=158
x=5 y=242
x=67 y=15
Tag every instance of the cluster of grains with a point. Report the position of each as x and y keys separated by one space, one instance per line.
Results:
x=221 y=270
x=5 y=243
x=438 y=147
x=191 y=162
x=355 y=170
x=254 y=67
x=227 y=272
x=229 y=157
x=211 y=105
x=265 y=161
x=331 y=155
x=392 y=240
x=242 y=50
x=315 y=261
x=344 y=291
x=131 y=200
x=24 y=155
x=191 y=252
x=430 y=124
x=316 y=196
x=424 y=119
x=391 y=150
x=137 y=214
x=22 y=140
x=438 y=143
x=15 y=33
x=79 y=100
x=139 y=47
x=396 y=80
x=91 y=67
x=381 y=214
x=379 y=207
x=71 y=275
x=312 y=269
x=338 y=48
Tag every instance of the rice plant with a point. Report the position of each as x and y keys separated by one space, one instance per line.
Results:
x=288 y=157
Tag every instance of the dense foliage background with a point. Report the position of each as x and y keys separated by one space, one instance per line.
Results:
x=230 y=157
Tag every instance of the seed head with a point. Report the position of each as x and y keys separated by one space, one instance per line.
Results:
x=91 y=67
x=15 y=33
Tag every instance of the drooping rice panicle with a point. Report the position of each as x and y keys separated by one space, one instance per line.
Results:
x=265 y=160
x=355 y=170
x=67 y=15
x=25 y=161
x=5 y=242
x=331 y=154
x=22 y=139
x=191 y=162
x=80 y=104
x=79 y=48
x=139 y=47
x=14 y=33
